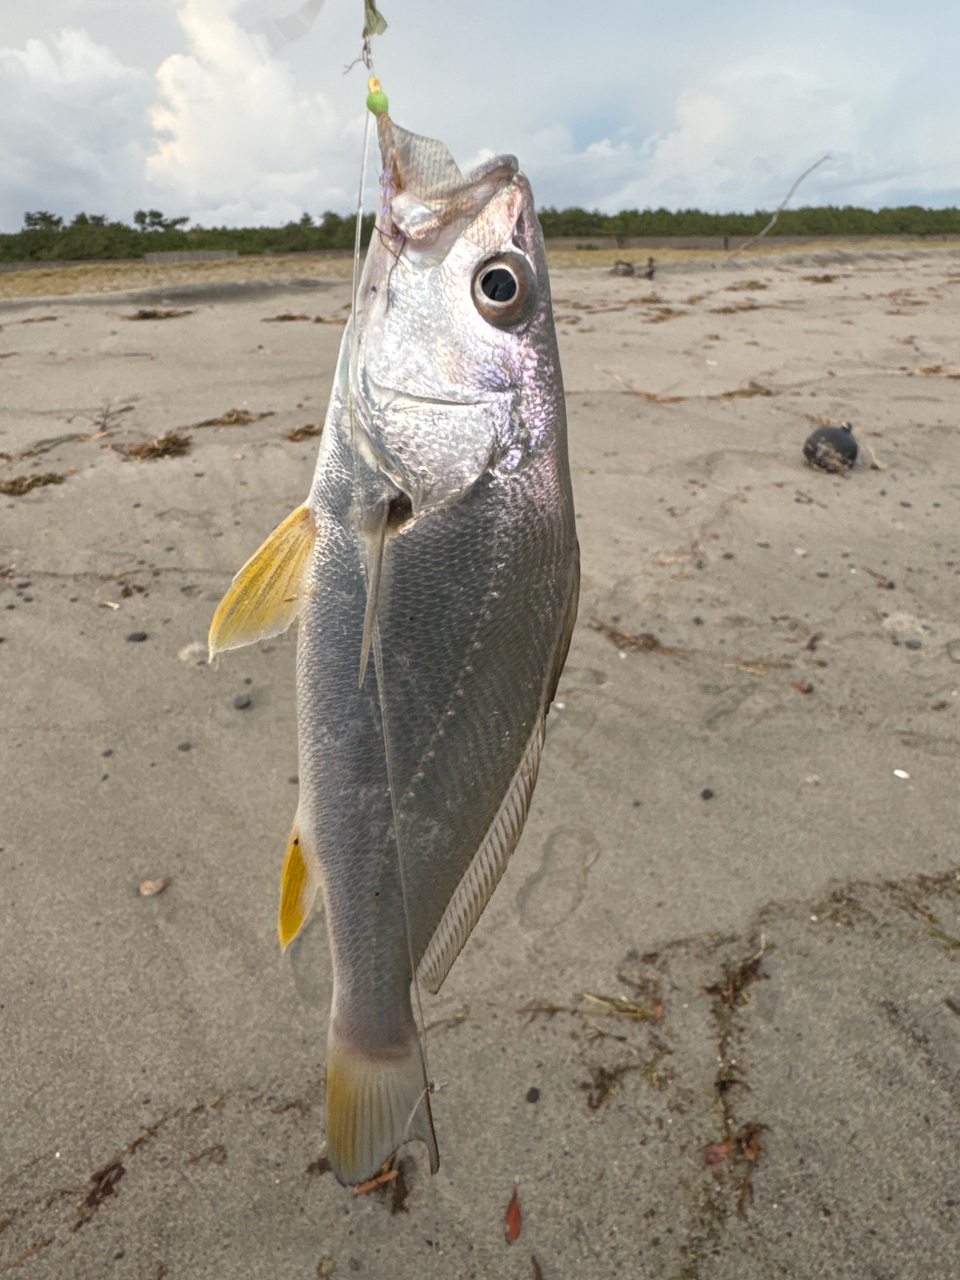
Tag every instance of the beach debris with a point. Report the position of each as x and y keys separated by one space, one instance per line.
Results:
x=707 y=794
x=605 y=1081
x=716 y=1153
x=802 y=686
x=37 y=319
x=137 y=637
x=831 y=449
x=745 y=393
x=150 y=888
x=814 y=640
x=157 y=313
x=172 y=445
x=307 y=432
x=326 y=1266
x=513 y=1219
x=745 y=286
x=622 y=268
x=234 y=418
x=286 y=315
x=532 y=1095
x=824 y=279
x=644 y=642
x=881 y=579
x=750 y=1150
x=20 y=485
x=194 y=653
x=900 y=773
x=386 y=1174
x=537 y=1273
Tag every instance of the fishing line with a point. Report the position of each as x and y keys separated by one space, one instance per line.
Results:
x=375 y=89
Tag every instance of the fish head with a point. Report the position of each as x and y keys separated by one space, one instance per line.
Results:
x=454 y=365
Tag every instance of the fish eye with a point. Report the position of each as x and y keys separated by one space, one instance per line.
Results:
x=504 y=290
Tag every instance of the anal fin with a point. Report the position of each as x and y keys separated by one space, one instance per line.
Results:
x=487 y=866
x=265 y=596
x=298 y=888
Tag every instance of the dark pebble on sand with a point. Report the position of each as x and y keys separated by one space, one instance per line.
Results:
x=698 y=622
x=913 y=644
x=533 y=1095
x=706 y=794
x=242 y=701
x=184 y=746
x=11 y=606
x=22 y=586
x=108 y=753
x=136 y=636
x=295 y=779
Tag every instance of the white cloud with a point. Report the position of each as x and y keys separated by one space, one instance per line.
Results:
x=237 y=140
x=704 y=107
x=75 y=129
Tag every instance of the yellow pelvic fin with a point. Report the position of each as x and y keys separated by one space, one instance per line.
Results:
x=298 y=888
x=265 y=596
x=374 y=1105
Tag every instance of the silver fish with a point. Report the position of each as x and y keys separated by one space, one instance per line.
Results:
x=434 y=570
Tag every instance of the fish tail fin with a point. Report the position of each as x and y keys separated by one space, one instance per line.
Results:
x=374 y=1105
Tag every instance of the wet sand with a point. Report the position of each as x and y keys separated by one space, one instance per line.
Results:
x=744 y=830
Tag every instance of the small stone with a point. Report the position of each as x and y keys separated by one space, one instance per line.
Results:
x=184 y=746
x=295 y=779
x=242 y=701
x=533 y=1095
x=913 y=644
x=822 y=573
x=136 y=637
x=706 y=794
x=108 y=753
x=150 y=888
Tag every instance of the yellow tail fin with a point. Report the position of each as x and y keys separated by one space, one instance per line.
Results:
x=374 y=1106
x=266 y=594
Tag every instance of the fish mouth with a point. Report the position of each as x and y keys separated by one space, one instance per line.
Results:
x=426 y=202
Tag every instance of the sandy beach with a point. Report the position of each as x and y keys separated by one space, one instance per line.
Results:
x=710 y=1020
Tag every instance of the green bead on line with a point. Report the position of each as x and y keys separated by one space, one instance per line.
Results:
x=377 y=103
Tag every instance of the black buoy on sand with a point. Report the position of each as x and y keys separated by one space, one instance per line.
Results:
x=831 y=448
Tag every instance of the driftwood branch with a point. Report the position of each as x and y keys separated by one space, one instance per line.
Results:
x=780 y=208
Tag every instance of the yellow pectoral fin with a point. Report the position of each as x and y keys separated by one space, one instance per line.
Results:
x=265 y=596
x=298 y=888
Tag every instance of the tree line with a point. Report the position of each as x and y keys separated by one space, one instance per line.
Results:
x=48 y=237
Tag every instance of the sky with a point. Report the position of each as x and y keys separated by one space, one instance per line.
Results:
x=198 y=108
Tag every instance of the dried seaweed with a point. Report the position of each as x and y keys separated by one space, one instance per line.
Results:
x=644 y=642
x=20 y=485
x=173 y=445
x=156 y=313
x=234 y=418
x=308 y=432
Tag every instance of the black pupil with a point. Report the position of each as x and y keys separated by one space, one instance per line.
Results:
x=499 y=285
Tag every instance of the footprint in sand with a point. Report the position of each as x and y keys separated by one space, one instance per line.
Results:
x=557 y=887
